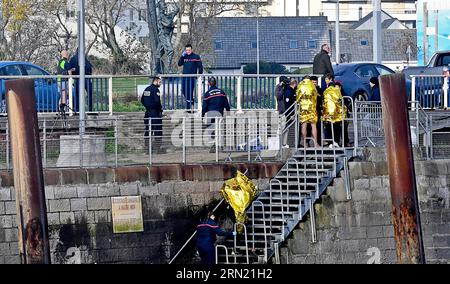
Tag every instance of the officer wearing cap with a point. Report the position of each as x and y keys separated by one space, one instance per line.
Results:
x=215 y=100
x=153 y=112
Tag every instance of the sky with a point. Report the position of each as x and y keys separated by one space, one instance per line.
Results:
x=443 y=28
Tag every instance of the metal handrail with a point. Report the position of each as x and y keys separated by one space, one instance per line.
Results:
x=217 y=253
x=264 y=227
x=246 y=241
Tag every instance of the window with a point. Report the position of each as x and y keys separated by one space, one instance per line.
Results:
x=365 y=71
x=144 y=40
x=142 y=15
x=11 y=70
x=253 y=44
x=383 y=70
x=70 y=14
x=312 y=44
x=131 y=15
x=218 y=45
x=33 y=71
x=293 y=44
x=364 y=42
x=444 y=60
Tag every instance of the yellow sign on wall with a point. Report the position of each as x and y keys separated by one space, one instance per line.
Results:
x=127 y=214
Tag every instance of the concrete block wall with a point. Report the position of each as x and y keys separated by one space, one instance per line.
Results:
x=360 y=230
x=79 y=210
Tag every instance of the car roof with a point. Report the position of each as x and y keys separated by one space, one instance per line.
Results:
x=5 y=63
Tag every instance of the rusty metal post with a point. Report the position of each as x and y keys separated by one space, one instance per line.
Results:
x=28 y=175
x=405 y=205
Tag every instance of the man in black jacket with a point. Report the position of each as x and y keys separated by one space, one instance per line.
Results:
x=215 y=101
x=87 y=83
x=192 y=64
x=322 y=62
x=153 y=112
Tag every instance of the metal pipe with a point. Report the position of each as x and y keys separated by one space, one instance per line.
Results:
x=28 y=175
x=338 y=47
x=425 y=34
x=405 y=206
x=81 y=60
x=377 y=36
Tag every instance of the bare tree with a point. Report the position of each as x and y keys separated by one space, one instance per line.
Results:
x=105 y=19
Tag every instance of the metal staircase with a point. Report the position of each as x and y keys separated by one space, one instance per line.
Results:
x=277 y=211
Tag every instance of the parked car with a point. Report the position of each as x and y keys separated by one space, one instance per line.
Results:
x=355 y=78
x=46 y=89
x=434 y=66
x=430 y=83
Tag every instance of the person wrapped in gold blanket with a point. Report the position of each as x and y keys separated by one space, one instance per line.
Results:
x=306 y=97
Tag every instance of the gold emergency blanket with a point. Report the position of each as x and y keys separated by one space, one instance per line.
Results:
x=306 y=97
x=332 y=110
x=239 y=192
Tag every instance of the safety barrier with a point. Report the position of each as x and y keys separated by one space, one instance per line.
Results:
x=430 y=91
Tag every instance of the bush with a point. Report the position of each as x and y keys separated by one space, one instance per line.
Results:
x=265 y=68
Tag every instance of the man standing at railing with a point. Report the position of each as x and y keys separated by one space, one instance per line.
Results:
x=192 y=64
x=153 y=113
x=88 y=82
x=64 y=69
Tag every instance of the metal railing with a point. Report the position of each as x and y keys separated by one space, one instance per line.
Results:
x=174 y=139
x=51 y=91
x=430 y=91
x=244 y=91
x=369 y=129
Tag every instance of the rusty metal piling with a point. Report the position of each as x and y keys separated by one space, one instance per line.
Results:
x=405 y=205
x=28 y=175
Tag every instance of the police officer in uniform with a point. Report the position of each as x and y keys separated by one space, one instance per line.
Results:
x=153 y=113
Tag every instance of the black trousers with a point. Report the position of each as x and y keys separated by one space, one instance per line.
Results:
x=153 y=123
x=337 y=130
x=187 y=89
x=88 y=88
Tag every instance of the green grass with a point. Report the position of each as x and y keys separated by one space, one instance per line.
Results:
x=133 y=106
x=126 y=86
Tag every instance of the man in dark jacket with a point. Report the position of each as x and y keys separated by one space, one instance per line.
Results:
x=214 y=103
x=215 y=99
x=322 y=61
x=192 y=64
x=375 y=89
x=280 y=88
x=206 y=238
x=88 y=82
x=153 y=113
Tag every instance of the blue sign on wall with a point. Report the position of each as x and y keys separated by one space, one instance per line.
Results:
x=443 y=27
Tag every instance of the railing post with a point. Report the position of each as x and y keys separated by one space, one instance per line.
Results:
x=116 y=142
x=445 y=88
x=199 y=93
x=81 y=144
x=44 y=138
x=239 y=94
x=431 y=138
x=70 y=86
x=184 y=140
x=8 y=165
x=110 y=95
x=413 y=89
x=217 y=133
